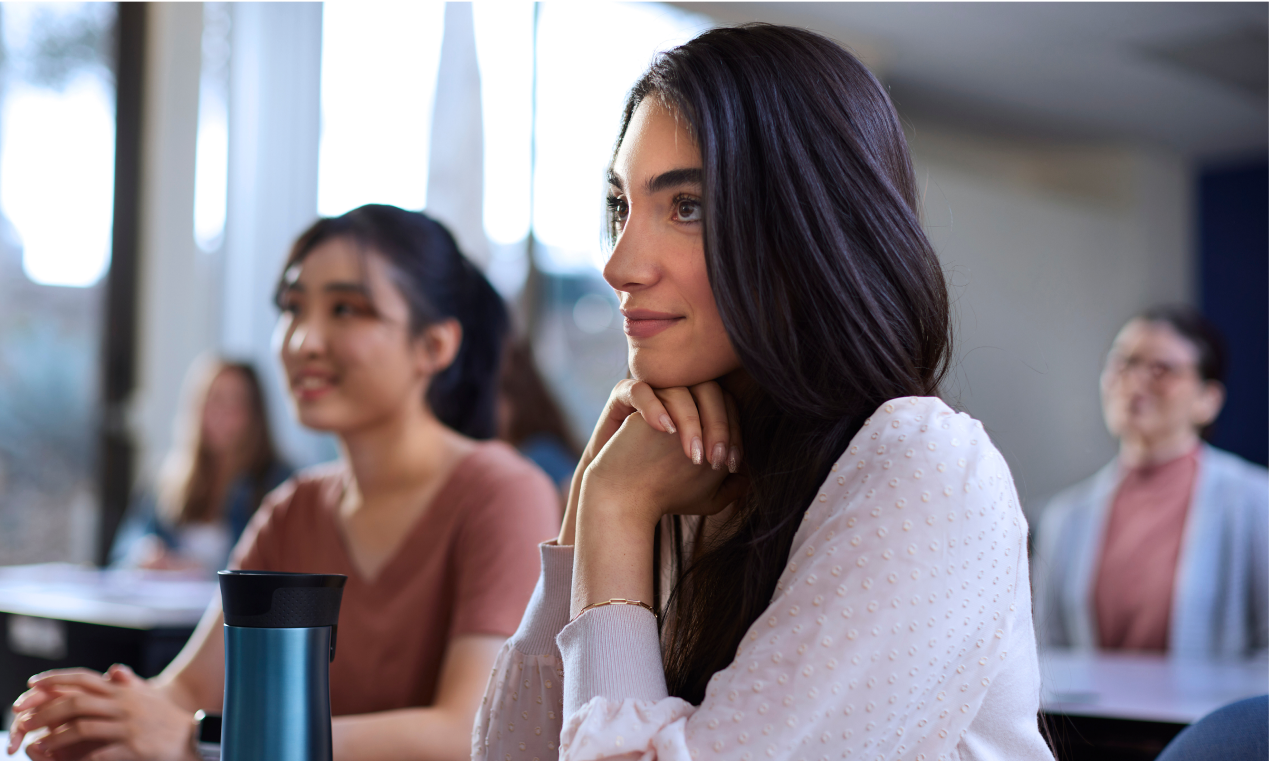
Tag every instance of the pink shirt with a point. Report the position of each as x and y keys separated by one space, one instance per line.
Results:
x=1137 y=573
x=900 y=628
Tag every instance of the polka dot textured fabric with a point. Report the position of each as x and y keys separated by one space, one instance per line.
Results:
x=900 y=629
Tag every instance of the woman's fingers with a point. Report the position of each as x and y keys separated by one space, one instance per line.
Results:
x=65 y=711
x=715 y=424
x=642 y=398
x=734 y=452
x=687 y=421
x=83 y=679
x=81 y=731
x=32 y=698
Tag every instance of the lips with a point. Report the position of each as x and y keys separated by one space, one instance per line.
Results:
x=308 y=386
x=645 y=323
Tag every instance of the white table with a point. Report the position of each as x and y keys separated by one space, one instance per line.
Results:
x=129 y=599
x=1144 y=687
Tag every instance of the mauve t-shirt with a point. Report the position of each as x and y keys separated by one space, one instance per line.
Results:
x=467 y=566
x=1137 y=573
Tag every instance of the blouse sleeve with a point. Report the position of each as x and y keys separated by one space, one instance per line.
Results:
x=888 y=628
x=522 y=712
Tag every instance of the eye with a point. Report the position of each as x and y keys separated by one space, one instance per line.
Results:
x=289 y=305
x=687 y=209
x=618 y=209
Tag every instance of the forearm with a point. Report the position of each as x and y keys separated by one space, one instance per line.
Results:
x=613 y=555
x=413 y=734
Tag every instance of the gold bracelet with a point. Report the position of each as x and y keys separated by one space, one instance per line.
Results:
x=617 y=601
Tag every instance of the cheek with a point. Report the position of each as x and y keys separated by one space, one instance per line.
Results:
x=373 y=360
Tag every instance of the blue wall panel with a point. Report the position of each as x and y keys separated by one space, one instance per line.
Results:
x=1233 y=226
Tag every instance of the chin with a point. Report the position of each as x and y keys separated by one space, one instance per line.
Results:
x=318 y=417
x=671 y=373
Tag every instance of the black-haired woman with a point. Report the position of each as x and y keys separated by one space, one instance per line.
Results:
x=391 y=340
x=794 y=550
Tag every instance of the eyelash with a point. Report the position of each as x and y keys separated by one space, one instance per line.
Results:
x=679 y=200
x=617 y=207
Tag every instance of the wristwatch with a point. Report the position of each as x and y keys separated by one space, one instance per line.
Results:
x=205 y=739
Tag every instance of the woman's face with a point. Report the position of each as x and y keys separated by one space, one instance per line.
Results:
x=1151 y=387
x=227 y=412
x=673 y=329
x=345 y=342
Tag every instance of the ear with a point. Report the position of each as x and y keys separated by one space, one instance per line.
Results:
x=1210 y=400
x=438 y=345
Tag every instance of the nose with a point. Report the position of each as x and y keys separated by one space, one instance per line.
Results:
x=632 y=265
x=304 y=338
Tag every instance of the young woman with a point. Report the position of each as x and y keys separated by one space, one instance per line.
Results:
x=220 y=467
x=1166 y=548
x=391 y=340
x=842 y=572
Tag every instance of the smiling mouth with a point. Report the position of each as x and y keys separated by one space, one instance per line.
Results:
x=645 y=323
x=310 y=387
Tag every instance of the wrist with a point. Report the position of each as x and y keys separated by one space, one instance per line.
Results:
x=615 y=509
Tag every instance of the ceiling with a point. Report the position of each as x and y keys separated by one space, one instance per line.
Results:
x=1191 y=77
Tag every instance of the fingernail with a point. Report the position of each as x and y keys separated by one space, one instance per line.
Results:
x=733 y=460
x=716 y=459
x=697 y=450
x=667 y=424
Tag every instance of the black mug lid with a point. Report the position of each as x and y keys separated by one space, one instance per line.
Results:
x=277 y=600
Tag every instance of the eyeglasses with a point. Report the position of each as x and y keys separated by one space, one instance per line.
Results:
x=1156 y=371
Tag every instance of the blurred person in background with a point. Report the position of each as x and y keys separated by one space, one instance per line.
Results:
x=390 y=339
x=1165 y=548
x=221 y=465
x=529 y=418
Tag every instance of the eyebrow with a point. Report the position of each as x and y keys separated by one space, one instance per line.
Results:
x=671 y=179
x=336 y=287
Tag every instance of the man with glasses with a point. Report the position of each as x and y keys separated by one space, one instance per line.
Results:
x=1165 y=549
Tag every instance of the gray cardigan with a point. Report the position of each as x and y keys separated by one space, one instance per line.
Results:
x=1220 y=604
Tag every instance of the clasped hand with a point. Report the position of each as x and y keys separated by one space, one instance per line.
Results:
x=116 y=716
x=657 y=452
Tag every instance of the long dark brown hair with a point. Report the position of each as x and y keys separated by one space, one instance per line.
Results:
x=188 y=491
x=828 y=288
x=532 y=409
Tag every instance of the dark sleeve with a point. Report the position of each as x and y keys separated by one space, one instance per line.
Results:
x=496 y=554
x=260 y=547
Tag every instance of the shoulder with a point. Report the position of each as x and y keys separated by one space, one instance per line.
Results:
x=497 y=465
x=917 y=451
x=1232 y=486
x=1230 y=467
x=303 y=493
x=496 y=478
x=912 y=431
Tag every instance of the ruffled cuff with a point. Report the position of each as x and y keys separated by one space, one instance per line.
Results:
x=547 y=612
x=612 y=652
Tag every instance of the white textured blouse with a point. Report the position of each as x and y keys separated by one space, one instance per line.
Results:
x=900 y=629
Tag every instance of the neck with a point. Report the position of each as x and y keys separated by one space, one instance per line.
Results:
x=1138 y=452
x=399 y=454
